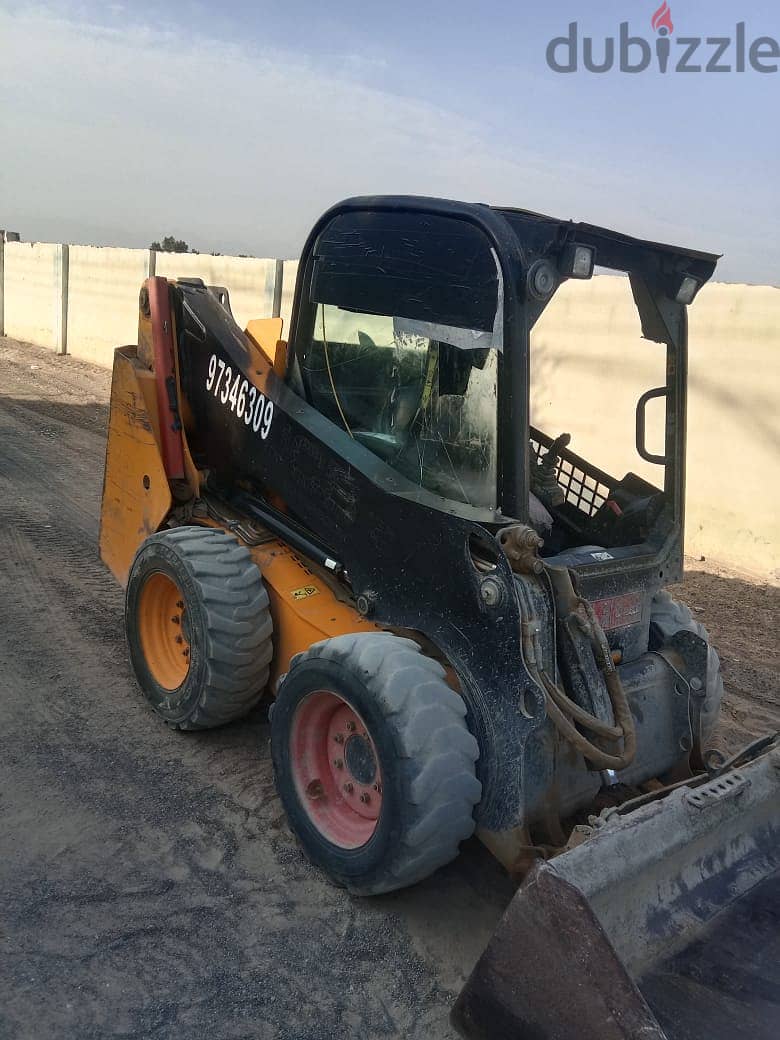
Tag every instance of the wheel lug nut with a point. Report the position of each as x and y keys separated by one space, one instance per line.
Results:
x=338 y=763
x=180 y=604
x=365 y=798
x=377 y=787
x=348 y=788
x=186 y=652
x=179 y=639
x=351 y=726
x=176 y=619
x=339 y=738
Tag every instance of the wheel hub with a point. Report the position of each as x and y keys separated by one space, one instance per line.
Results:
x=163 y=629
x=359 y=759
x=336 y=769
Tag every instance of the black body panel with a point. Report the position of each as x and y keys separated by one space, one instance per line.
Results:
x=414 y=567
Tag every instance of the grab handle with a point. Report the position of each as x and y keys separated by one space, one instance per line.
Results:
x=641 y=405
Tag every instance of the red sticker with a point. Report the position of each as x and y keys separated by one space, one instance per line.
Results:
x=619 y=611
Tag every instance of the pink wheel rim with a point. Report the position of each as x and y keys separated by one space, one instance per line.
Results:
x=335 y=769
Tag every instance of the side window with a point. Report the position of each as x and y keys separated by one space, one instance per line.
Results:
x=355 y=361
x=589 y=367
x=401 y=350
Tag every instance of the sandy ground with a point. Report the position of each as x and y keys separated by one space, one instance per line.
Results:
x=149 y=887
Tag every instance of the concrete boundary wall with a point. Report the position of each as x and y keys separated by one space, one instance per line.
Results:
x=289 y=275
x=250 y=282
x=733 y=495
x=102 y=304
x=2 y=286
x=32 y=292
x=83 y=300
x=589 y=365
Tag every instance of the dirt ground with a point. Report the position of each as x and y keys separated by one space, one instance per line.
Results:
x=149 y=887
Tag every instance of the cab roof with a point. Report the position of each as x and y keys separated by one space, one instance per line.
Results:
x=540 y=234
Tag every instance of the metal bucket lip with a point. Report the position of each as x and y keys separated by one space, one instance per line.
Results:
x=585 y=928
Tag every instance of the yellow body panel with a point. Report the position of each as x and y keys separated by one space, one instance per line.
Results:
x=265 y=333
x=303 y=606
x=137 y=500
x=136 y=495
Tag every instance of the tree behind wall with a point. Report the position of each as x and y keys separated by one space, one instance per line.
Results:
x=170 y=245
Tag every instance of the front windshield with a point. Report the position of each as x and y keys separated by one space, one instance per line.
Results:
x=427 y=406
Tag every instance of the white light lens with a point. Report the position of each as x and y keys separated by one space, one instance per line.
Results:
x=582 y=262
x=687 y=290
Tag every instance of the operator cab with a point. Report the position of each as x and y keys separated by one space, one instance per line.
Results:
x=425 y=331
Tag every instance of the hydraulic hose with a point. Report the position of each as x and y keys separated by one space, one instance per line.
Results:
x=597 y=757
x=578 y=714
x=561 y=709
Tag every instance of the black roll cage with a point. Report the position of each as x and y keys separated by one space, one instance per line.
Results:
x=519 y=239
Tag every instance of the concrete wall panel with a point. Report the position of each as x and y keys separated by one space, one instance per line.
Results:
x=589 y=366
x=32 y=291
x=733 y=499
x=249 y=281
x=103 y=287
x=290 y=269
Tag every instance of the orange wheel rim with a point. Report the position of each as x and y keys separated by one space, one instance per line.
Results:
x=165 y=647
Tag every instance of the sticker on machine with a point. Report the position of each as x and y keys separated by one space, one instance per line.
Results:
x=618 y=611
x=233 y=390
x=305 y=591
x=602 y=556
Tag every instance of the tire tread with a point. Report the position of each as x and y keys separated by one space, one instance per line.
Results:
x=668 y=615
x=431 y=739
x=235 y=606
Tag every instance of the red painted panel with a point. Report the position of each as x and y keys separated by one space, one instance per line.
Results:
x=165 y=377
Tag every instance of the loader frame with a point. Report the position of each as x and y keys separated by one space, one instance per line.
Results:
x=243 y=469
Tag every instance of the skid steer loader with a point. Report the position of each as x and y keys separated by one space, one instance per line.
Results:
x=461 y=620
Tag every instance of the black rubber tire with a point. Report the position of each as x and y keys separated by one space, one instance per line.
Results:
x=426 y=754
x=229 y=626
x=667 y=616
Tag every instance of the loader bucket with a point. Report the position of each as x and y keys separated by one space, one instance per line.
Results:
x=665 y=923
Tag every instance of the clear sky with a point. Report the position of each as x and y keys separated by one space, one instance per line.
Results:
x=235 y=125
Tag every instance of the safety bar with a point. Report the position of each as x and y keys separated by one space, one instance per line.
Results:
x=641 y=405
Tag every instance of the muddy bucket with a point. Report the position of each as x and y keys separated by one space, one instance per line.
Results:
x=664 y=923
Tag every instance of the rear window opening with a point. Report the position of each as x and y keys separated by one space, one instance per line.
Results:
x=590 y=368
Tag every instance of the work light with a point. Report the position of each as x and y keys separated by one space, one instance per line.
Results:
x=577 y=261
x=689 y=286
